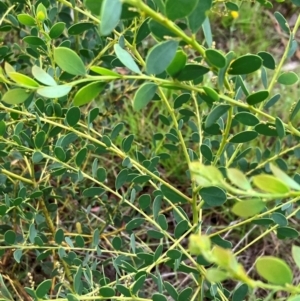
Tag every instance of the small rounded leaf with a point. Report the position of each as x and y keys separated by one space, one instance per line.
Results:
x=69 y=61
x=274 y=270
x=288 y=78
x=87 y=93
x=161 y=56
x=144 y=95
x=245 y=64
x=248 y=208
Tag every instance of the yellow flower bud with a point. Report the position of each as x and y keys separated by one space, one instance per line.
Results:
x=234 y=14
x=41 y=16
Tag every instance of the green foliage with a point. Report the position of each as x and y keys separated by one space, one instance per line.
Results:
x=126 y=130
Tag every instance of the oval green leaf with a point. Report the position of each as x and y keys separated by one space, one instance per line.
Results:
x=54 y=91
x=104 y=71
x=270 y=184
x=288 y=78
x=144 y=95
x=274 y=270
x=248 y=208
x=177 y=63
x=126 y=59
x=161 y=56
x=16 y=96
x=215 y=58
x=245 y=64
x=243 y=137
x=42 y=76
x=22 y=79
x=215 y=114
x=177 y=9
x=69 y=61
x=87 y=93
x=257 y=97
x=110 y=16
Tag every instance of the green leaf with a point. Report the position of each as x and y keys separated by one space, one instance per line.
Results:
x=59 y=236
x=159 y=297
x=185 y=294
x=39 y=139
x=243 y=137
x=198 y=16
x=94 y=6
x=238 y=179
x=279 y=219
x=87 y=93
x=284 y=25
x=16 y=96
x=134 y=223
x=294 y=298
x=10 y=237
x=104 y=71
x=213 y=196
x=60 y=153
x=121 y=178
x=246 y=118
x=17 y=255
x=34 y=41
x=270 y=184
x=2 y=128
x=181 y=100
x=257 y=97
x=144 y=95
x=173 y=196
x=177 y=63
x=138 y=284
x=206 y=152
x=127 y=143
x=92 y=192
x=80 y=28
x=69 y=61
x=211 y=93
x=72 y=297
x=42 y=76
x=43 y=288
x=288 y=78
x=294 y=110
x=287 y=232
x=161 y=56
x=54 y=91
x=245 y=64
x=73 y=116
x=215 y=114
x=22 y=79
x=240 y=293
x=280 y=127
x=268 y=60
x=191 y=72
x=56 y=30
x=162 y=221
x=278 y=173
x=296 y=255
x=267 y=129
x=106 y=291
x=274 y=270
x=177 y=9
x=248 y=208
x=216 y=275
x=81 y=157
x=126 y=59
x=110 y=16
x=215 y=58
x=101 y=174
x=26 y=20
